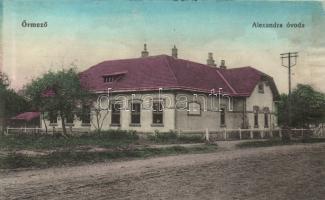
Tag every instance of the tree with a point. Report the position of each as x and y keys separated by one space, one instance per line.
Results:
x=307 y=107
x=99 y=117
x=10 y=102
x=59 y=93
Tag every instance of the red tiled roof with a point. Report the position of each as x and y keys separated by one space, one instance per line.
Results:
x=244 y=80
x=162 y=71
x=26 y=116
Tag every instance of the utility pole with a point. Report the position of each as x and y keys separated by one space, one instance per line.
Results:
x=289 y=56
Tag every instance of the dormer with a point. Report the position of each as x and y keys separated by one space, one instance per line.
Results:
x=113 y=77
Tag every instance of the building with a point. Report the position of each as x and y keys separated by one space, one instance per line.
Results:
x=26 y=120
x=168 y=93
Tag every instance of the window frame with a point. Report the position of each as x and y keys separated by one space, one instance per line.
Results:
x=116 y=112
x=134 y=113
x=266 y=117
x=193 y=113
x=260 y=87
x=159 y=112
x=266 y=120
x=108 y=79
x=256 y=121
x=222 y=117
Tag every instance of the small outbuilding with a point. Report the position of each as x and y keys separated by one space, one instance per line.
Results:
x=26 y=120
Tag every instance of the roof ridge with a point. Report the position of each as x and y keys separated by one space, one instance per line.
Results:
x=227 y=83
x=123 y=59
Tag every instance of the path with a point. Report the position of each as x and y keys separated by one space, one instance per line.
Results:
x=285 y=172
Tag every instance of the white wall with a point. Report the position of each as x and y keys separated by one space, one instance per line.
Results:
x=125 y=119
x=176 y=118
x=261 y=100
x=210 y=115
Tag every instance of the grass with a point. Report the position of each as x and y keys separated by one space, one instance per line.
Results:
x=277 y=142
x=172 y=137
x=49 y=150
x=60 y=158
x=106 y=139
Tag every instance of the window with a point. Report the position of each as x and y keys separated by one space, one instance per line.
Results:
x=194 y=108
x=266 y=117
x=108 y=79
x=85 y=119
x=53 y=118
x=157 y=117
x=222 y=117
x=266 y=120
x=261 y=87
x=256 y=116
x=115 y=76
x=116 y=114
x=135 y=113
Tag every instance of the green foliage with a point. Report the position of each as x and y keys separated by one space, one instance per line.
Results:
x=67 y=89
x=278 y=142
x=191 y=138
x=307 y=107
x=14 y=103
x=108 y=139
x=59 y=158
x=14 y=161
x=161 y=136
x=173 y=137
x=117 y=135
x=10 y=102
x=4 y=80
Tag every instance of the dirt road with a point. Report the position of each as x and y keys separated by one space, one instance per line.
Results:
x=286 y=172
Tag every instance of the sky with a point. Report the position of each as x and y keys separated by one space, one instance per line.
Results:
x=83 y=33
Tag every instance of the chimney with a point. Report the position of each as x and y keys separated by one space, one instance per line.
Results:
x=174 y=52
x=210 y=60
x=144 y=53
x=223 y=64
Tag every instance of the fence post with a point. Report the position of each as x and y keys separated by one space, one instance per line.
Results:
x=179 y=132
x=240 y=136
x=280 y=133
x=207 y=136
x=251 y=134
x=302 y=132
x=271 y=132
x=225 y=133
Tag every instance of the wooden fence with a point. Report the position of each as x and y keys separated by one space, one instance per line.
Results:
x=242 y=134
x=51 y=131
x=210 y=135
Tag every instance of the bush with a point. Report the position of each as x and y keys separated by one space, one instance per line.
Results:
x=164 y=137
x=263 y=143
x=172 y=137
x=191 y=138
x=116 y=135
x=112 y=138
x=14 y=161
x=286 y=138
